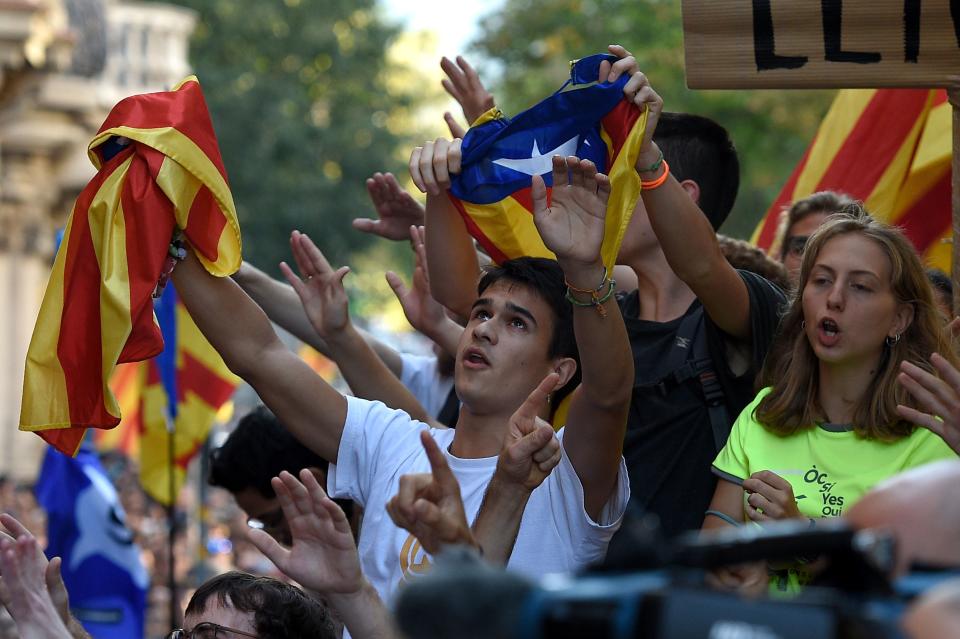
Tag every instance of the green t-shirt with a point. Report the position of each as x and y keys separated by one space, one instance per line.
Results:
x=829 y=467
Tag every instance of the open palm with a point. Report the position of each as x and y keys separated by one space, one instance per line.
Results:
x=572 y=226
x=319 y=287
x=323 y=556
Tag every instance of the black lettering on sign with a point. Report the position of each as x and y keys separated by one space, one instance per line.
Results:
x=763 y=41
x=832 y=11
x=955 y=14
x=911 y=30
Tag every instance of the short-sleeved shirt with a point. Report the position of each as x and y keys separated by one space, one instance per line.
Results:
x=420 y=374
x=669 y=444
x=829 y=466
x=380 y=444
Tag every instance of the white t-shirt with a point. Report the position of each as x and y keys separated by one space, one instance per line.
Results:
x=380 y=444
x=419 y=374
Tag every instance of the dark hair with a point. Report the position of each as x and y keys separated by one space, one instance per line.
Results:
x=545 y=278
x=279 y=609
x=828 y=202
x=745 y=256
x=256 y=451
x=699 y=149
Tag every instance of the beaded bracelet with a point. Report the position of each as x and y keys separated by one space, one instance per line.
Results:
x=176 y=253
x=652 y=184
x=653 y=167
x=595 y=299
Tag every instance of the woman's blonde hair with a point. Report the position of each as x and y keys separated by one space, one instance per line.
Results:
x=791 y=367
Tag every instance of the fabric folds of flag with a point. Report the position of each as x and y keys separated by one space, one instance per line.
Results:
x=158 y=168
x=890 y=148
x=203 y=386
x=86 y=527
x=500 y=155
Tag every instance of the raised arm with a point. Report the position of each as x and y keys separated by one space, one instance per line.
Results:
x=530 y=451
x=12 y=532
x=419 y=306
x=451 y=259
x=396 y=209
x=323 y=557
x=572 y=227
x=281 y=304
x=240 y=331
x=464 y=85
x=686 y=236
x=326 y=305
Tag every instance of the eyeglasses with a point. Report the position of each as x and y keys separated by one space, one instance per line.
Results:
x=796 y=244
x=268 y=521
x=207 y=630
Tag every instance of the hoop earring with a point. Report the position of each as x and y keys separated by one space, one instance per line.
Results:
x=892 y=341
x=803 y=324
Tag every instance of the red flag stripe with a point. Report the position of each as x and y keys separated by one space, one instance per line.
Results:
x=921 y=222
x=477 y=233
x=156 y=110
x=882 y=128
x=768 y=233
x=195 y=377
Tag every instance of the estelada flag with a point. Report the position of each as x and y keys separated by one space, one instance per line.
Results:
x=590 y=120
x=890 y=148
x=186 y=387
x=159 y=167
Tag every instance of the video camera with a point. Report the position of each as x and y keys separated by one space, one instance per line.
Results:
x=657 y=590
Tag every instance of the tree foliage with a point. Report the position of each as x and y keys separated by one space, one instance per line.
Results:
x=532 y=41
x=296 y=89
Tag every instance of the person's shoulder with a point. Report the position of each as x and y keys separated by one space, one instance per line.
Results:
x=375 y=414
x=762 y=288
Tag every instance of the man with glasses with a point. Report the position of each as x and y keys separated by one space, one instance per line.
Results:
x=237 y=604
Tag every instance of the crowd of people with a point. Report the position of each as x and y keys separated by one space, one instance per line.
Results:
x=697 y=381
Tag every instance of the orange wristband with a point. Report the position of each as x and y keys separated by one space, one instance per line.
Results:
x=652 y=184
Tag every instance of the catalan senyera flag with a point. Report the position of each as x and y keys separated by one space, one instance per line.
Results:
x=890 y=148
x=159 y=167
x=500 y=155
x=197 y=379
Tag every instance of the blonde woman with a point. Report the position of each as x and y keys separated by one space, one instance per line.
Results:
x=826 y=428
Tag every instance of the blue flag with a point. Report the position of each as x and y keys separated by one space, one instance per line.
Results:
x=500 y=155
x=86 y=527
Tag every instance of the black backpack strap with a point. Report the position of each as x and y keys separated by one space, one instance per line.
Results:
x=450 y=412
x=712 y=392
x=690 y=358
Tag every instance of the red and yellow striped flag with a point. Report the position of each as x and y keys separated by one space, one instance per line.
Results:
x=890 y=148
x=204 y=385
x=158 y=167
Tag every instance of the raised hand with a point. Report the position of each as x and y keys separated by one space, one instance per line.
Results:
x=396 y=209
x=422 y=311
x=464 y=85
x=24 y=589
x=573 y=225
x=12 y=530
x=319 y=287
x=530 y=449
x=940 y=398
x=627 y=64
x=429 y=505
x=432 y=164
x=771 y=494
x=323 y=556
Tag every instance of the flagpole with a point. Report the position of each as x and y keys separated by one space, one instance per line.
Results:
x=171 y=524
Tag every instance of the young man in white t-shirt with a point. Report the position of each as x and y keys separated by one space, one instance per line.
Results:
x=520 y=332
